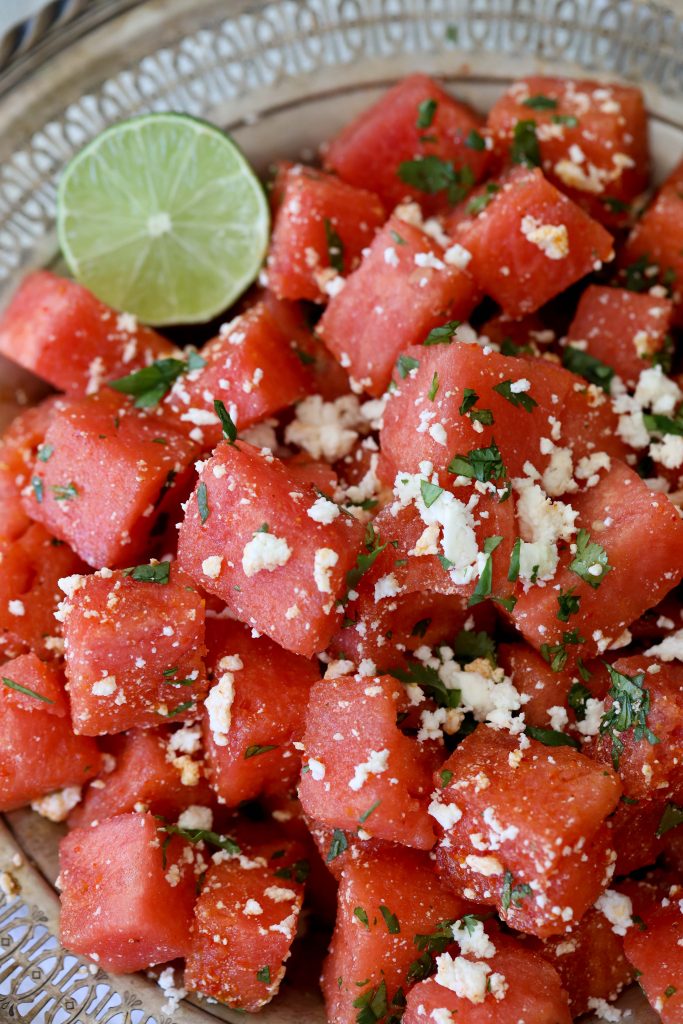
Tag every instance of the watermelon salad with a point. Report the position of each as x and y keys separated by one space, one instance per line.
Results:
x=358 y=618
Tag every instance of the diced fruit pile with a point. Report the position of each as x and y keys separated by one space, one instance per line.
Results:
x=368 y=605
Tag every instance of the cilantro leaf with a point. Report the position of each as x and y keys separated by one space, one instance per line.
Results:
x=338 y=845
x=159 y=573
x=525 y=149
x=568 y=119
x=589 y=557
x=483 y=464
x=257 y=748
x=551 y=737
x=431 y=174
x=151 y=383
x=577 y=696
x=64 y=493
x=655 y=423
x=480 y=202
x=442 y=335
x=540 y=102
x=437 y=941
x=516 y=398
x=200 y=835
x=366 y=814
x=469 y=645
x=475 y=141
x=556 y=654
x=429 y=680
x=587 y=366
x=11 y=684
x=335 y=246
x=513 y=571
x=431 y=394
x=264 y=975
x=362 y=916
x=425 y=113
x=568 y=603
x=229 y=428
x=405 y=364
x=202 y=502
x=513 y=893
x=365 y=562
x=629 y=710
x=372 y=1005
x=430 y=492
x=671 y=818
x=390 y=920
x=470 y=398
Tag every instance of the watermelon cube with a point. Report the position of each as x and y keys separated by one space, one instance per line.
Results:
x=39 y=752
x=134 y=648
x=360 y=771
x=415 y=119
x=254 y=713
x=107 y=516
x=531 y=242
x=58 y=330
x=405 y=285
x=245 y=921
x=126 y=893
x=321 y=227
x=523 y=828
x=248 y=538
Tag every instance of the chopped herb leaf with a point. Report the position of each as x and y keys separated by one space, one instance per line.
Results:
x=180 y=708
x=45 y=451
x=12 y=685
x=335 y=247
x=470 y=398
x=425 y=113
x=338 y=844
x=483 y=464
x=362 y=916
x=551 y=737
x=366 y=814
x=655 y=423
x=372 y=1005
x=513 y=893
x=437 y=941
x=513 y=571
x=452 y=33
x=421 y=627
x=257 y=748
x=469 y=645
x=431 y=394
x=67 y=493
x=442 y=335
x=151 y=383
x=420 y=969
x=159 y=573
x=430 y=492
x=630 y=708
x=38 y=489
x=202 y=502
x=568 y=119
x=195 y=361
x=480 y=202
x=525 y=149
x=264 y=975
x=587 y=366
x=405 y=364
x=304 y=357
x=200 y=835
x=568 y=603
x=300 y=870
x=671 y=818
x=445 y=776
x=390 y=920
x=540 y=102
x=577 y=696
x=516 y=398
x=229 y=428
x=397 y=238
x=475 y=141
x=365 y=562
x=431 y=174
x=669 y=991
x=426 y=677
x=589 y=556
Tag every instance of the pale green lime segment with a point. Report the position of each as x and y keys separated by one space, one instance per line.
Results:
x=162 y=216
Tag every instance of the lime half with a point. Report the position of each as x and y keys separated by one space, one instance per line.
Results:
x=162 y=216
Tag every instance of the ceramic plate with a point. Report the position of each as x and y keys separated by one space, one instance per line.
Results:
x=281 y=77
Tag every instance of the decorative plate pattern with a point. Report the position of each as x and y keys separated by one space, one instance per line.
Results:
x=79 y=66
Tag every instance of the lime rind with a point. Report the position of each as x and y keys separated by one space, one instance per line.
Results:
x=163 y=217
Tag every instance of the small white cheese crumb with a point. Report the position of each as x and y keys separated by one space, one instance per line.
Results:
x=324 y=561
x=211 y=566
x=618 y=910
x=104 y=687
x=376 y=763
x=317 y=769
x=264 y=551
x=252 y=908
x=323 y=511
x=219 y=707
x=56 y=806
x=16 y=608
x=467 y=978
x=551 y=239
